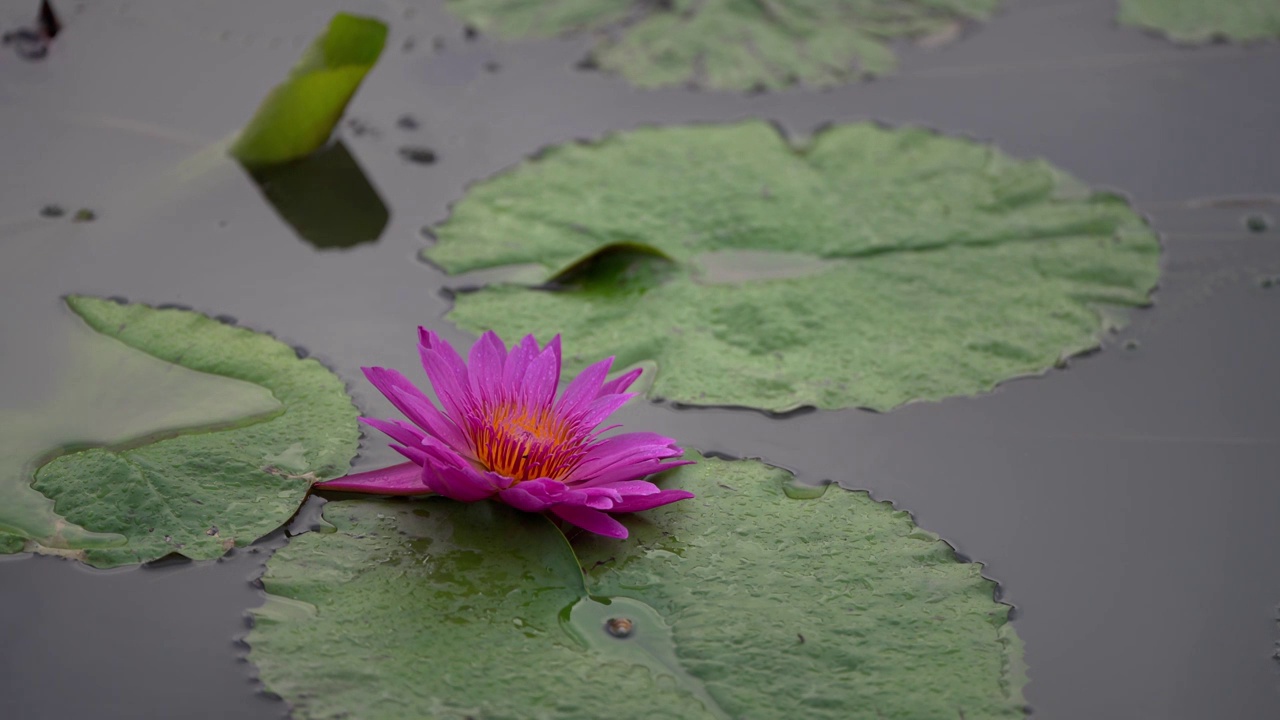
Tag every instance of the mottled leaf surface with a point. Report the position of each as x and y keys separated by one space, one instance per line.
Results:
x=297 y=117
x=870 y=267
x=744 y=603
x=213 y=456
x=732 y=44
x=1200 y=21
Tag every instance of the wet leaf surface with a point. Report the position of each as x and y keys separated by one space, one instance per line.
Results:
x=300 y=113
x=174 y=433
x=733 y=44
x=743 y=603
x=1202 y=21
x=869 y=268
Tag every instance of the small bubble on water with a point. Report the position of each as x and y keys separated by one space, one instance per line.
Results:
x=1257 y=223
x=407 y=122
x=84 y=215
x=418 y=155
x=1131 y=344
x=619 y=627
x=492 y=66
x=52 y=211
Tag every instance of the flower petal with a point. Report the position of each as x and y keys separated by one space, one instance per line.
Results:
x=484 y=365
x=630 y=471
x=410 y=401
x=460 y=482
x=591 y=520
x=404 y=479
x=625 y=448
x=636 y=503
x=620 y=383
x=449 y=378
x=542 y=376
x=401 y=432
x=583 y=389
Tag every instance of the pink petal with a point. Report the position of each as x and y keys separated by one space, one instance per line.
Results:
x=628 y=472
x=542 y=376
x=591 y=520
x=462 y=483
x=404 y=479
x=620 y=383
x=583 y=389
x=628 y=448
x=426 y=416
x=636 y=503
x=451 y=387
x=484 y=364
x=399 y=431
x=408 y=399
x=602 y=407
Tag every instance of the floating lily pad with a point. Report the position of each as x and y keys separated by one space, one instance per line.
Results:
x=171 y=433
x=10 y=544
x=869 y=267
x=1199 y=21
x=733 y=44
x=743 y=603
x=300 y=113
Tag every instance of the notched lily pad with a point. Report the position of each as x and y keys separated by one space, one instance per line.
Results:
x=733 y=44
x=743 y=603
x=170 y=432
x=869 y=268
x=1201 y=21
x=300 y=113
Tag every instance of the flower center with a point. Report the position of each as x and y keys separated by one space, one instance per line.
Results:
x=526 y=443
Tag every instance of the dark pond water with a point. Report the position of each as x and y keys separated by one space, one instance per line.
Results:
x=1128 y=504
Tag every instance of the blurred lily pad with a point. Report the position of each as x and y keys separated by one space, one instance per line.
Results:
x=1201 y=21
x=733 y=44
x=868 y=267
x=170 y=432
x=298 y=115
x=743 y=603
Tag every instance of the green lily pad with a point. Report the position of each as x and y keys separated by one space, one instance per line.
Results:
x=733 y=44
x=10 y=544
x=743 y=603
x=1201 y=21
x=869 y=267
x=298 y=115
x=171 y=433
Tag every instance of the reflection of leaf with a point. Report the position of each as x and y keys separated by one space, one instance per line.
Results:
x=325 y=197
x=733 y=44
x=1198 y=21
x=174 y=433
x=300 y=113
x=743 y=603
x=869 y=268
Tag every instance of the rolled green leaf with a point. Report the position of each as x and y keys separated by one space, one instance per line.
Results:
x=300 y=113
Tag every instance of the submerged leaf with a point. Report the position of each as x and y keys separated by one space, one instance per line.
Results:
x=733 y=44
x=1200 y=21
x=172 y=433
x=298 y=115
x=870 y=268
x=744 y=603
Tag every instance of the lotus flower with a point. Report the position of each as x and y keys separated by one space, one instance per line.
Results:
x=502 y=433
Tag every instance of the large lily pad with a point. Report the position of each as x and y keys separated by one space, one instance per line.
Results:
x=1199 y=21
x=732 y=44
x=743 y=603
x=300 y=113
x=870 y=267
x=171 y=433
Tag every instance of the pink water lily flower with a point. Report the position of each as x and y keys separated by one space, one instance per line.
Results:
x=503 y=434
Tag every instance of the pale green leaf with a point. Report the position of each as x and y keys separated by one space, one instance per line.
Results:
x=170 y=432
x=298 y=116
x=1202 y=21
x=733 y=44
x=743 y=603
x=870 y=267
